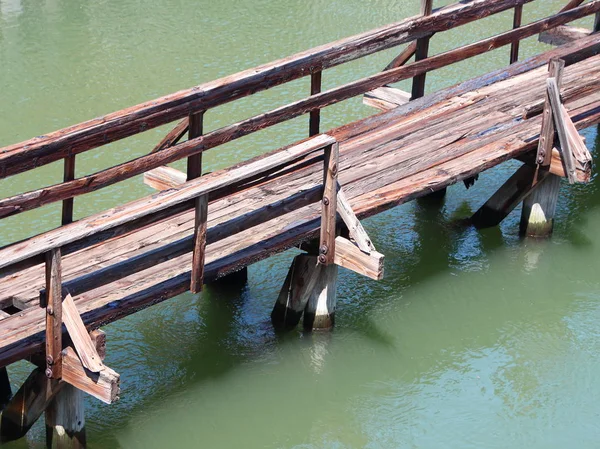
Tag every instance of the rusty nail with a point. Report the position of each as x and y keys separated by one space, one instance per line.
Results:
x=48 y=373
x=334 y=169
x=50 y=311
x=50 y=360
x=323 y=249
x=326 y=201
x=322 y=259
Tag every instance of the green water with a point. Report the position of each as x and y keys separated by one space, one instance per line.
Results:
x=473 y=339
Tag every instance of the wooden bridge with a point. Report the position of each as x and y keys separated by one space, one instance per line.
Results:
x=311 y=194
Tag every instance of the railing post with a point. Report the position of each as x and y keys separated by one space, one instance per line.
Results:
x=421 y=52
x=69 y=175
x=53 y=314
x=514 y=48
x=194 y=170
x=329 y=205
x=315 y=116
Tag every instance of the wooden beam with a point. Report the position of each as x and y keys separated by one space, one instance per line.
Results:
x=299 y=285
x=30 y=200
x=572 y=4
x=103 y=385
x=403 y=57
x=27 y=405
x=563 y=34
x=315 y=116
x=53 y=314
x=173 y=136
x=329 y=205
x=506 y=198
x=164 y=178
x=86 y=349
x=560 y=124
x=200 y=227
x=546 y=142
x=100 y=131
x=65 y=420
x=348 y=255
x=514 y=49
x=355 y=228
x=421 y=52
x=69 y=175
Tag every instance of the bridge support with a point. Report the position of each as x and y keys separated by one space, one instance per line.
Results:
x=537 y=217
x=320 y=308
x=65 y=420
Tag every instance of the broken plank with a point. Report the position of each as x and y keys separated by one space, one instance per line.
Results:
x=560 y=124
x=347 y=255
x=355 y=228
x=386 y=98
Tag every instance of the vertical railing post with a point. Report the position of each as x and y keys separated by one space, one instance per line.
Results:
x=329 y=205
x=67 y=205
x=514 y=48
x=53 y=314
x=421 y=52
x=194 y=170
x=315 y=116
x=597 y=22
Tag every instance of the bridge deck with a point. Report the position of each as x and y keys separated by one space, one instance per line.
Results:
x=385 y=160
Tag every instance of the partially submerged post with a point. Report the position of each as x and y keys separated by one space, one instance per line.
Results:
x=65 y=420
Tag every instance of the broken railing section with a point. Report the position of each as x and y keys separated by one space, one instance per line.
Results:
x=310 y=286
x=561 y=152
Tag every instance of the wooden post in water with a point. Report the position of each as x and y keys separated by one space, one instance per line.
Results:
x=65 y=420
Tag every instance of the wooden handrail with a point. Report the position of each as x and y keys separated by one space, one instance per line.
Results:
x=31 y=200
x=127 y=122
x=156 y=203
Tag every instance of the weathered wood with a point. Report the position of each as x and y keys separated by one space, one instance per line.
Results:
x=20 y=203
x=53 y=314
x=537 y=217
x=403 y=57
x=65 y=420
x=563 y=35
x=199 y=243
x=560 y=125
x=86 y=349
x=163 y=200
x=546 y=142
x=27 y=405
x=421 y=52
x=298 y=287
x=506 y=198
x=103 y=385
x=315 y=116
x=194 y=162
x=173 y=136
x=320 y=308
x=99 y=339
x=572 y=4
x=514 y=48
x=69 y=175
x=347 y=255
x=329 y=205
x=91 y=134
x=386 y=98
x=164 y=178
x=355 y=228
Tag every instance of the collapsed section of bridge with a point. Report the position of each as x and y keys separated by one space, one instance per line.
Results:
x=59 y=287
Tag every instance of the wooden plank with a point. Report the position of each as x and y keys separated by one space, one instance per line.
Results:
x=421 y=52
x=572 y=4
x=506 y=198
x=315 y=116
x=149 y=205
x=546 y=142
x=103 y=385
x=27 y=405
x=53 y=314
x=581 y=154
x=403 y=57
x=86 y=349
x=386 y=98
x=91 y=134
x=355 y=228
x=329 y=205
x=199 y=244
x=560 y=124
x=164 y=178
x=30 y=200
x=514 y=49
x=348 y=255
x=98 y=337
x=563 y=34
x=69 y=175
x=173 y=136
